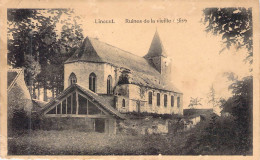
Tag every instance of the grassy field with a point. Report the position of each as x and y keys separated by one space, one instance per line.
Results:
x=68 y=142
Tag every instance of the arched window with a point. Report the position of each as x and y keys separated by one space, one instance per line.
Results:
x=165 y=100
x=92 y=82
x=109 y=84
x=72 y=79
x=123 y=103
x=158 y=99
x=178 y=102
x=172 y=101
x=150 y=98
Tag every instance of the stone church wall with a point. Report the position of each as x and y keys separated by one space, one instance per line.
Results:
x=82 y=70
x=135 y=96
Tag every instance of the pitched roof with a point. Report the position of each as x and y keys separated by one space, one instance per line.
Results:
x=156 y=47
x=142 y=72
x=12 y=76
x=98 y=99
x=93 y=50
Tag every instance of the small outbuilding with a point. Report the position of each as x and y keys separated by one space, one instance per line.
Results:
x=19 y=97
x=79 y=108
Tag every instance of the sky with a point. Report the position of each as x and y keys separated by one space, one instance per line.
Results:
x=197 y=63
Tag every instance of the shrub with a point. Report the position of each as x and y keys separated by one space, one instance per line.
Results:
x=20 y=121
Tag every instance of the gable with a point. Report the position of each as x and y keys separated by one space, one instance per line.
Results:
x=86 y=53
x=68 y=106
x=78 y=101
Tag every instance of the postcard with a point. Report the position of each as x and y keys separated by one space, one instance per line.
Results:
x=136 y=79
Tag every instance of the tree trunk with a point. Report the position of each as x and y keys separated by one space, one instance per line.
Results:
x=56 y=91
x=34 y=93
x=44 y=93
x=39 y=92
x=52 y=91
x=30 y=86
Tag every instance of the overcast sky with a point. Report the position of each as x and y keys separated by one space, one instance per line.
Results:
x=197 y=63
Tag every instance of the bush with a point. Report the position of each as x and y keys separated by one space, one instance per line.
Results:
x=219 y=136
x=21 y=121
x=18 y=122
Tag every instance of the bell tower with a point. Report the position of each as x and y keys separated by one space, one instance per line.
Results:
x=158 y=58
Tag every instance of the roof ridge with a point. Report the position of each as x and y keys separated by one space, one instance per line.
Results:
x=115 y=47
x=14 y=69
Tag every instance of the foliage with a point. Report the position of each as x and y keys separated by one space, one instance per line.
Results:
x=195 y=102
x=231 y=134
x=36 y=43
x=242 y=108
x=234 y=25
x=22 y=121
x=218 y=136
x=212 y=97
x=19 y=121
x=123 y=78
x=33 y=68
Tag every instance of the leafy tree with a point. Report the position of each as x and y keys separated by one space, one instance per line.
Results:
x=195 y=102
x=34 y=33
x=234 y=25
x=33 y=68
x=242 y=107
x=232 y=134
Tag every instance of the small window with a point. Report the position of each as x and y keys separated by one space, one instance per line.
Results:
x=123 y=103
x=178 y=102
x=150 y=98
x=165 y=100
x=92 y=82
x=72 y=79
x=172 y=101
x=158 y=99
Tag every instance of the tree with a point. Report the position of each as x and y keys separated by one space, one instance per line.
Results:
x=234 y=25
x=212 y=97
x=240 y=106
x=242 y=99
x=232 y=134
x=195 y=102
x=33 y=68
x=34 y=38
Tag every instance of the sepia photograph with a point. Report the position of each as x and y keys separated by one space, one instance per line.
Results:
x=153 y=78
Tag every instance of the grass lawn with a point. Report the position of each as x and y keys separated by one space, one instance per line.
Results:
x=68 y=142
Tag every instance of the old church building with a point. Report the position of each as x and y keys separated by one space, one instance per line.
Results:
x=102 y=81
